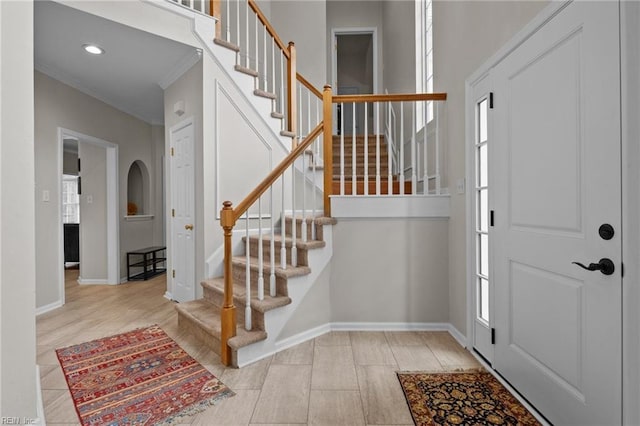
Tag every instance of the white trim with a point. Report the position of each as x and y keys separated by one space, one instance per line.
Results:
x=113 y=222
x=460 y=338
x=92 y=281
x=180 y=67
x=138 y=217
x=48 y=308
x=221 y=90
x=395 y=206
x=168 y=295
x=390 y=326
x=40 y=419
x=179 y=9
x=124 y=280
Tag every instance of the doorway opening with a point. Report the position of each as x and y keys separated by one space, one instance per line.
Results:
x=89 y=200
x=354 y=59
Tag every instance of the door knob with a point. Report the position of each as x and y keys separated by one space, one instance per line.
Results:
x=188 y=227
x=605 y=266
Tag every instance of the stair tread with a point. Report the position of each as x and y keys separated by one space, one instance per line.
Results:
x=227 y=44
x=276 y=114
x=287 y=134
x=245 y=70
x=288 y=241
x=207 y=315
x=264 y=94
x=289 y=272
x=319 y=220
x=239 y=291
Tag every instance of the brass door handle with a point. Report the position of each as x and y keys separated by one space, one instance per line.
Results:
x=188 y=227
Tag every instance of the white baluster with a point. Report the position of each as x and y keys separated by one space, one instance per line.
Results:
x=228 y=32
x=282 y=99
x=247 y=309
x=264 y=59
x=273 y=66
x=191 y=5
x=414 y=175
x=238 y=26
x=354 y=183
x=342 y=112
x=389 y=152
x=246 y=27
x=294 y=248
x=425 y=153
x=437 y=153
x=401 y=148
x=272 y=247
x=283 y=230
x=377 y=148
x=260 y=253
x=257 y=51
x=303 y=225
x=366 y=152
x=314 y=197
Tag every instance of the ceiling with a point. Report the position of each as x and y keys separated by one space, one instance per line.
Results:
x=128 y=76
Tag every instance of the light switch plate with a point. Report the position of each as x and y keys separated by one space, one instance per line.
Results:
x=460 y=184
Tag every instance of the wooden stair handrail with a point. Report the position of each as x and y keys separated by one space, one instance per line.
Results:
x=396 y=97
x=308 y=85
x=269 y=27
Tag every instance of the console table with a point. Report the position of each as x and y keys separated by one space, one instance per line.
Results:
x=152 y=261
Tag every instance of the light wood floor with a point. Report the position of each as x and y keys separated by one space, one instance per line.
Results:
x=340 y=378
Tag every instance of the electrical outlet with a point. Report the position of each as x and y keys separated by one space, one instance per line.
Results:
x=46 y=196
x=89 y=199
x=460 y=186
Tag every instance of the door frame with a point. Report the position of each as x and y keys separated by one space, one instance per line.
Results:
x=630 y=58
x=168 y=196
x=335 y=32
x=113 y=224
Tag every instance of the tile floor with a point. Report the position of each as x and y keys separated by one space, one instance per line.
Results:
x=340 y=378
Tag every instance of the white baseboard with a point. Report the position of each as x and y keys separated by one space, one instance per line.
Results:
x=390 y=326
x=124 y=280
x=168 y=296
x=91 y=281
x=303 y=337
x=455 y=333
x=50 y=307
x=40 y=420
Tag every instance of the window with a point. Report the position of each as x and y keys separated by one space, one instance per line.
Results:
x=482 y=210
x=424 y=57
x=70 y=199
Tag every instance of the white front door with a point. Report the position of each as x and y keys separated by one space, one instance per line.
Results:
x=182 y=212
x=556 y=181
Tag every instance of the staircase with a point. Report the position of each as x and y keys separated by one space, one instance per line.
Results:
x=371 y=156
x=202 y=317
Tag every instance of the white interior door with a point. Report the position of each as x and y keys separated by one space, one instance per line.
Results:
x=182 y=212
x=556 y=182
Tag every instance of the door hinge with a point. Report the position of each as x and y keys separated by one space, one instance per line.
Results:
x=491 y=218
x=173 y=212
x=173 y=273
x=79 y=168
x=172 y=151
x=490 y=100
x=493 y=336
x=622 y=269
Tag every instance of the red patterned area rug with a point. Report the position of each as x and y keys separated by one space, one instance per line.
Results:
x=464 y=398
x=141 y=377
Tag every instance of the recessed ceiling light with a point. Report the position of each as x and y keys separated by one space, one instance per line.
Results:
x=93 y=49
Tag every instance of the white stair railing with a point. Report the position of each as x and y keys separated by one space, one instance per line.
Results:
x=413 y=149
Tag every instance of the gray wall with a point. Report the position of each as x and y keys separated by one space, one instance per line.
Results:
x=304 y=22
x=354 y=14
x=390 y=270
x=17 y=237
x=466 y=33
x=93 y=213
x=399 y=46
x=58 y=105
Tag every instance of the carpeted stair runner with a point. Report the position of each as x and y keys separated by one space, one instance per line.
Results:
x=202 y=317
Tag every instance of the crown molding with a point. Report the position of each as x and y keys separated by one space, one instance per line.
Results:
x=180 y=67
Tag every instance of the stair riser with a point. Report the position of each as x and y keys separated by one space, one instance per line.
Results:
x=266 y=251
x=239 y=274
x=319 y=235
x=185 y=323
x=217 y=299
